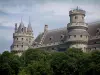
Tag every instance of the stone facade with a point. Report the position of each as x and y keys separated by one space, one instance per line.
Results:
x=22 y=38
x=77 y=34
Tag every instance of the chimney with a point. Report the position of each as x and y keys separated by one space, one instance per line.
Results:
x=15 y=27
x=46 y=28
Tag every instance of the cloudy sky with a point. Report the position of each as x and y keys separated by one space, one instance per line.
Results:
x=51 y=12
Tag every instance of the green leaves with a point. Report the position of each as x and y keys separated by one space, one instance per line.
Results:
x=40 y=62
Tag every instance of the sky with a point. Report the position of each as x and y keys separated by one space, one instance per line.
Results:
x=54 y=13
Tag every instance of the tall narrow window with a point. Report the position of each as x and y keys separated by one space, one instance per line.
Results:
x=76 y=17
x=80 y=35
x=17 y=38
x=22 y=45
x=17 y=45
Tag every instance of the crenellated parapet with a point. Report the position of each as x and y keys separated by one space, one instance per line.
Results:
x=77 y=11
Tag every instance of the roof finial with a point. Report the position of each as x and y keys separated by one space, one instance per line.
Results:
x=77 y=8
x=29 y=20
x=21 y=19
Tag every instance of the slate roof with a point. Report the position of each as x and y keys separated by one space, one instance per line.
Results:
x=92 y=28
x=57 y=35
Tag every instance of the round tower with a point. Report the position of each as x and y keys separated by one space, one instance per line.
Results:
x=22 y=39
x=77 y=30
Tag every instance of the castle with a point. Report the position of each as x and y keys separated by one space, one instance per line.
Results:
x=77 y=34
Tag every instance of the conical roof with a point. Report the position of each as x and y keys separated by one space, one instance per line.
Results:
x=29 y=28
x=21 y=27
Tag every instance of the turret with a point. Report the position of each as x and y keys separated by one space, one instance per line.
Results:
x=22 y=38
x=77 y=30
x=45 y=28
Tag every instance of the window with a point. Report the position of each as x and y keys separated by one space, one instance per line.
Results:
x=22 y=29
x=17 y=45
x=22 y=38
x=22 y=45
x=62 y=36
x=50 y=38
x=17 y=38
x=80 y=35
x=76 y=17
x=52 y=48
x=74 y=35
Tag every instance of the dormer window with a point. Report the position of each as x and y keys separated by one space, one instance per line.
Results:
x=62 y=36
x=50 y=38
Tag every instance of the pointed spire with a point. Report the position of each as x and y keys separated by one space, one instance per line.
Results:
x=21 y=21
x=29 y=21
x=21 y=26
x=29 y=29
x=77 y=8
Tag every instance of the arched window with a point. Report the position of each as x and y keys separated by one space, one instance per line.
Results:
x=76 y=17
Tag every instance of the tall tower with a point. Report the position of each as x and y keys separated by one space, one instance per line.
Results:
x=30 y=33
x=77 y=30
x=22 y=38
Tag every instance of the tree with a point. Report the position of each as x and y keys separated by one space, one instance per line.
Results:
x=9 y=64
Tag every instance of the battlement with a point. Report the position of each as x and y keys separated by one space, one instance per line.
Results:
x=77 y=11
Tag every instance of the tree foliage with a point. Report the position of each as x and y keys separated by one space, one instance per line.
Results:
x=40 y=62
